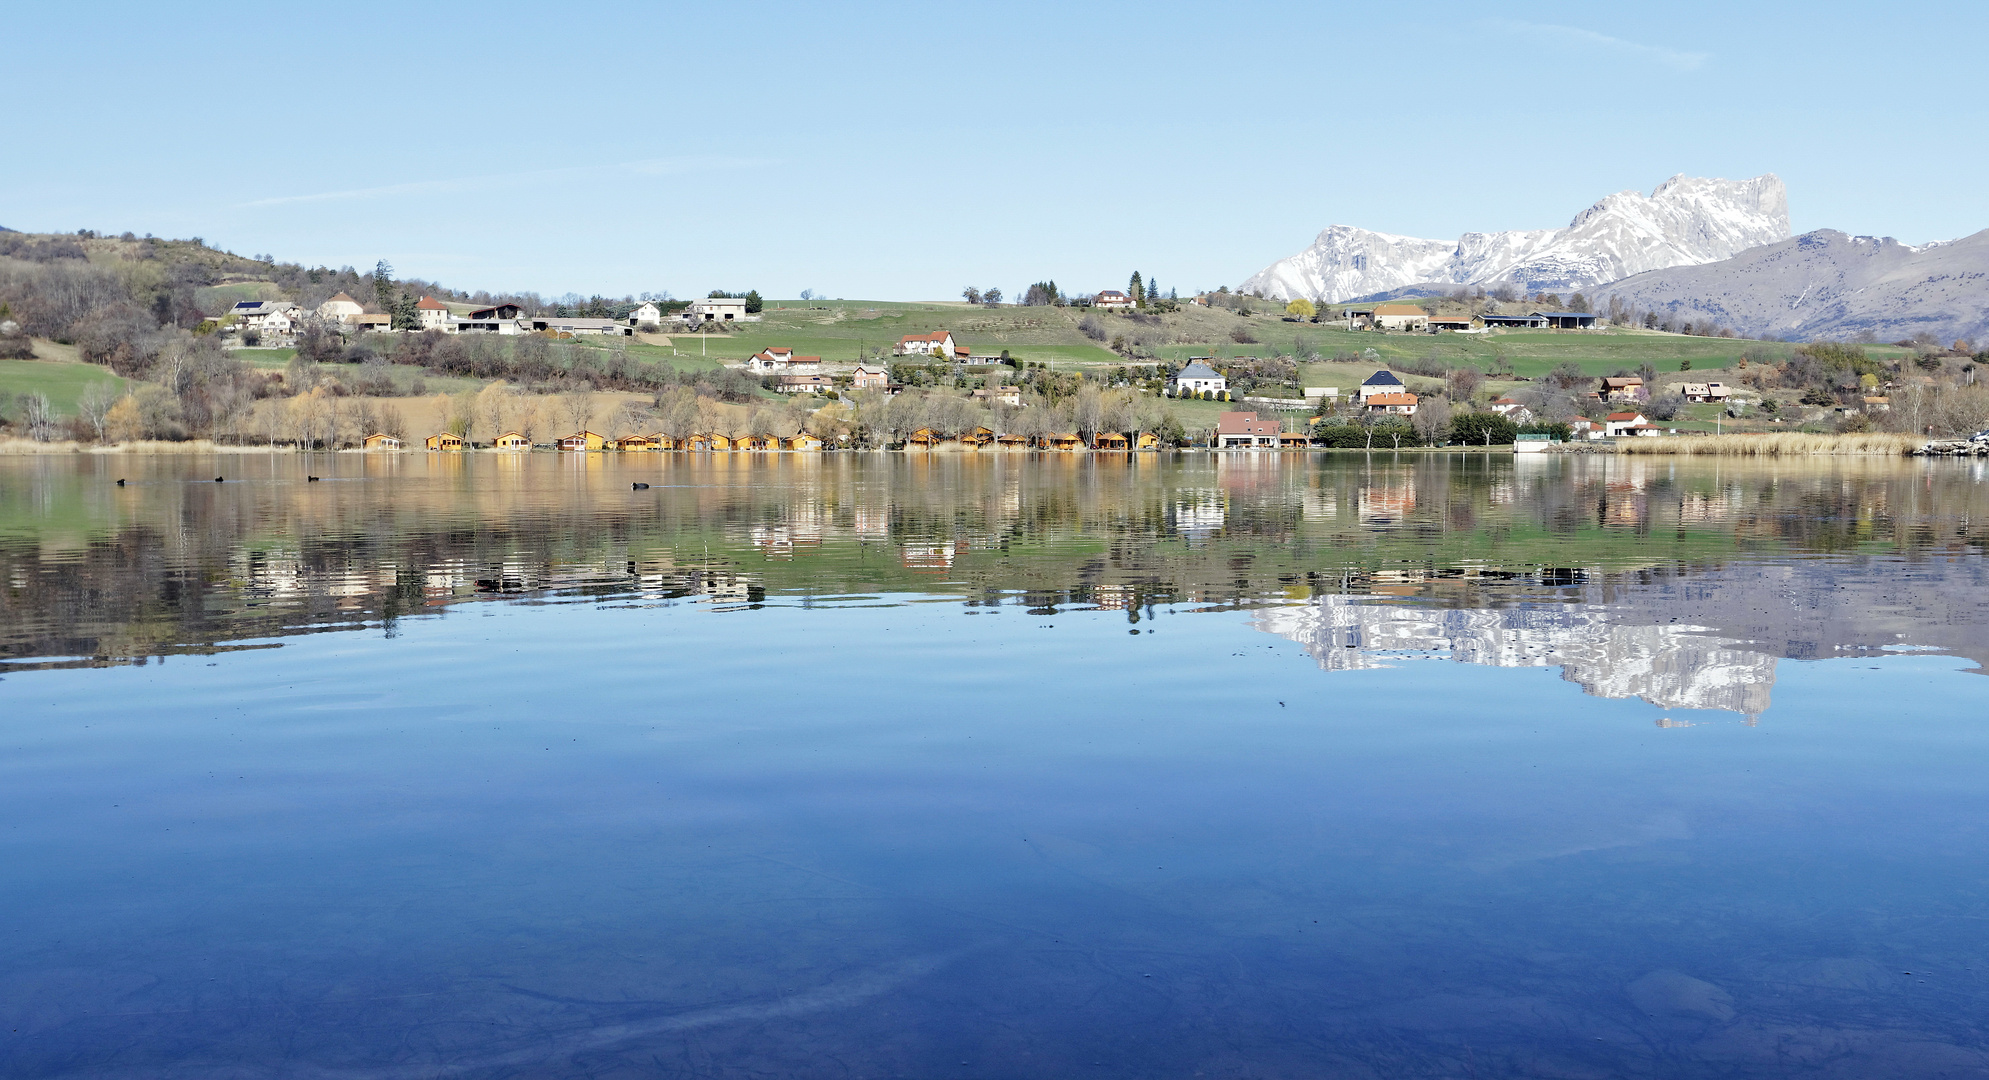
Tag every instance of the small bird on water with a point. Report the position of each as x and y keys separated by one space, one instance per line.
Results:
x=218 y=480
x=313 y=479
x=120 y=481
x=640 y=487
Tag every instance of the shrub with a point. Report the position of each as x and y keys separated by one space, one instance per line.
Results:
x=1242 y=336
x=1482 y=429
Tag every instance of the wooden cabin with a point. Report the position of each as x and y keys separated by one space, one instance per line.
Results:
x=924 y=438
x=511 y=440
x=446 y=441
x=584 y=440
x=1108 y=440
x=1066 y=441
x=1147 y=441
x=381 y=442
x=980 y=436
x=1012 y=442
x=697 y=442
x=804 y=441
x=662 y=442
x=756 y=442
x=720 y=442
x=635 y=442
x=1294 y=440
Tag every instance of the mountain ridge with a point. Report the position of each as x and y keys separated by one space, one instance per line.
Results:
x=1684 y=221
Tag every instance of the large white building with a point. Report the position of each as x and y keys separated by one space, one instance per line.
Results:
x=715 y=310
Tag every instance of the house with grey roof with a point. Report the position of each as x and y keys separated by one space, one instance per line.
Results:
x=1381 y=382
x=1198 y=377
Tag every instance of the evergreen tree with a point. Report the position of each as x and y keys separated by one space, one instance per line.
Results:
x=383 y=284
x=753 y=302
x=1135 y=290
x=406 y=315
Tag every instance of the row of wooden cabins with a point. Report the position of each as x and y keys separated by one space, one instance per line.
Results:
x=591 y=441
x=982 y=438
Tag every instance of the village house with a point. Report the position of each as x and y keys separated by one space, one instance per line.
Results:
x=803 y=441
x=511 y=440
x=645 y=314
x=1581 y=427
x=634 y=443
x=583 y=440
x=1403 y=404
x=1515 y=322
x=1513 y=410
x=1381 y=382
x=1198 y=377
x=780 y=360
x=574 y=326
x=1007 y=395
x=938 y=343
x=372 y=323
x=431 y=314
x=1621 y=388
x=1400 y=317
x=717 y=309
x=866 y=377
x=1063 y=440
x=1451 y=323
x=381 y=442
x=1238 y=430
x=267 y=317
x=1706 y=391
x=1629 y=423
x=1113 y=300
x=1109 y=440
x=340 y=308
x=1566 y=320
x=804 y=384
x=446 y=440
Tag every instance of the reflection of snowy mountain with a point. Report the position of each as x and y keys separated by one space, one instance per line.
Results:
x=1670 y=665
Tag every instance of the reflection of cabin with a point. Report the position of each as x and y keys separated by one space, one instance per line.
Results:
x=1012 y=442
x=381 y=442
x=635 y=442
x=1108 y=440
x=924 y=437
x=1294 y=440
x=512 y=440
x=1147 y=441
x=804 y=441
x=584 y=440
x=1065 y=441
x=446 y=441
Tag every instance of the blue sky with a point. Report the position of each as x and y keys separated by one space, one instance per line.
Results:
x=901 y=151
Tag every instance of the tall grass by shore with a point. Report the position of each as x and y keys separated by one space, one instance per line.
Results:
x=1777 y=444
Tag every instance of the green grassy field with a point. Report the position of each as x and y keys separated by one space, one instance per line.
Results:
x=62 y=380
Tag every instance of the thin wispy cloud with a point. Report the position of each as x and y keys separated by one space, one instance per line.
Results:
x=1672 y=58
x=646 y=167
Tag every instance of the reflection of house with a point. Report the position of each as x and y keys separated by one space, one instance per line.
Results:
x=511 y=440
x=1236 y=430
x=381 y=442
x=445 y=441
x=583 y=440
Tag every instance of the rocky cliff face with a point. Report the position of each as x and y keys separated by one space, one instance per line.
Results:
x=1826 y=285
x=1687 y=221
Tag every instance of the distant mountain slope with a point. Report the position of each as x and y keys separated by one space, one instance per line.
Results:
x=1685 y=221
x=1829 y=286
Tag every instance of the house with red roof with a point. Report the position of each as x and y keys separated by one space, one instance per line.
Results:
x=780 y=360
x=432 y=313
x=1242 y=430
x=1113 y=300
x=1630 y=424
x=1403 y=404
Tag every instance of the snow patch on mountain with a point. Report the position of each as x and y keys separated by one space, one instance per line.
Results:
x=1686 y=221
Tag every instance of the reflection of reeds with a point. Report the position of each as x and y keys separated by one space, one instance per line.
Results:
x=1776 y=444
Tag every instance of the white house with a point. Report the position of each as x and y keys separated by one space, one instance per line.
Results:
x=782 y=361
x=1403 y=403
x=1629 y=423
x=432 y=313
x=340 y=308
x=1705 y=391
x=1198 y=377
x=716 y=310
x=938 y=343
x=1400 y=317
x=1381 y=382
x=866 y=377
x=646 y=314
x=1112 y=300
x=1513 y=410
x=1243 y=429
x=276 y=316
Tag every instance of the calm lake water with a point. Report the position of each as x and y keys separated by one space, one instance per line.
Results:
x=881 y=765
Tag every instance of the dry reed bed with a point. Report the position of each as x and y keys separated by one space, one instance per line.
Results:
x=1778 y=444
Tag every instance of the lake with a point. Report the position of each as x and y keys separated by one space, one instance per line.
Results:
x=877 y=765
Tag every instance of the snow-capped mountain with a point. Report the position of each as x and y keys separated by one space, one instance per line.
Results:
x=1687 y=221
